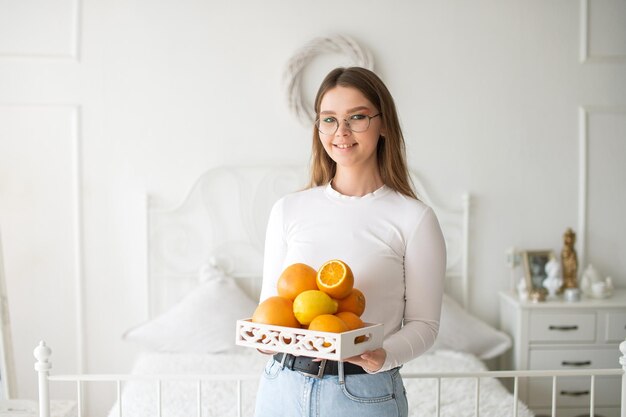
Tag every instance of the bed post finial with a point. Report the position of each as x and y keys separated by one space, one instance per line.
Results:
x=42 y=366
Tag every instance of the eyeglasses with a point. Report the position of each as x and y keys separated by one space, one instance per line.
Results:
x=356 y=123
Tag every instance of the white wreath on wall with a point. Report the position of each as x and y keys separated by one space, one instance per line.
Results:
x=295 y=68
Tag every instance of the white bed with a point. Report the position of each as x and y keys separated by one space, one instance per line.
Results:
x=204 y=272
x=220 y=398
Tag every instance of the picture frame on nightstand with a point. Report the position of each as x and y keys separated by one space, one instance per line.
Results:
x=534 y=262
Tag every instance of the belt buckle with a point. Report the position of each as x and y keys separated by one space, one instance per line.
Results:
x=320 y=370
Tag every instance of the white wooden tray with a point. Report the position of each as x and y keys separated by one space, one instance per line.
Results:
x=324 y=345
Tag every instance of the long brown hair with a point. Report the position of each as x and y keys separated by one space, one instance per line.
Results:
x=391 y=151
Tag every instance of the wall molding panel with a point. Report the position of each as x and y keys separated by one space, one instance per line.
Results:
x=584 y=115
x=22 y=41
x=75 y=129
x=587 y=55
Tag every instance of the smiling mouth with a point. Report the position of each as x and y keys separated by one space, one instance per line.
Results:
x=344 y=145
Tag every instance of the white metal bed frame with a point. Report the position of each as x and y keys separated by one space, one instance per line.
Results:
x=42 y=366
x=181 y=240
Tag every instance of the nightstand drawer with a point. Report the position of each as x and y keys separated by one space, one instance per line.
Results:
x=615 y=327
x=578 y=412
x=573 y=359
x=575 y=391
x=550 y=327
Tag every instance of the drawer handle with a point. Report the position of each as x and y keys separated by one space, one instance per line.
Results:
x=563 y=328
x=579 y=363
x=574 y=393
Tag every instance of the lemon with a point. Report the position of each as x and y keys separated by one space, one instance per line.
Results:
x=312 y=303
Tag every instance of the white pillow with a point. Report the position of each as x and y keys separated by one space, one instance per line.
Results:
x=202 y=322
x=459 y=330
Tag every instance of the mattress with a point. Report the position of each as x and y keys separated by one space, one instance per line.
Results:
x=220 y=398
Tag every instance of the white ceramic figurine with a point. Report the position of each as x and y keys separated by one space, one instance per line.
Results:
x=554 y=280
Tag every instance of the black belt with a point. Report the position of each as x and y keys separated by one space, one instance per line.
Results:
x=307 y=366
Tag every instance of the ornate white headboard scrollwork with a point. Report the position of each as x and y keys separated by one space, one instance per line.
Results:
x=220 y=228
x=221 y=221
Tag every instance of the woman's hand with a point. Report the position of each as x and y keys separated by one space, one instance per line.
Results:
x=371 y=361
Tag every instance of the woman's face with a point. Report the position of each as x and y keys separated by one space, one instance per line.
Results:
x=350 y=149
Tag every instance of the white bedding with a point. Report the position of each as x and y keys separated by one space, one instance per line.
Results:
x=219 y=398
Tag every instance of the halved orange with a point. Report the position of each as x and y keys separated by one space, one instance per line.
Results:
x=335 y=279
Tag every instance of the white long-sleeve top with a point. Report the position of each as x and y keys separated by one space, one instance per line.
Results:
x=392 y=243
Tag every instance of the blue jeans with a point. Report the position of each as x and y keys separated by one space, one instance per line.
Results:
x=287 y=393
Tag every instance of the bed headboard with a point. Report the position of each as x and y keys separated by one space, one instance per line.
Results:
x=222 y=220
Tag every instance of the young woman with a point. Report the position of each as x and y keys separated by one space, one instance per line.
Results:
x=360 y=208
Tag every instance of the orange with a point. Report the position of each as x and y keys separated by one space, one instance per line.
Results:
x=335 y=278
x=352 y=320
x=277 y=311
x=328 y=323
x=295 y=279
x=354 y=303
x=310 y=304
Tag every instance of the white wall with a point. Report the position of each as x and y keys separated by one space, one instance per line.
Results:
x=102 y=101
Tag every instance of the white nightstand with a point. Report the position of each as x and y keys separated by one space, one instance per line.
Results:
x=566 y=335
x=30 y=408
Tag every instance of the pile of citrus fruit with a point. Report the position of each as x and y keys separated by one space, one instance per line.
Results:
x=323 y=300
